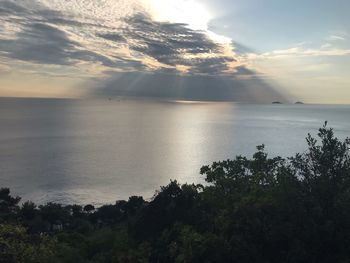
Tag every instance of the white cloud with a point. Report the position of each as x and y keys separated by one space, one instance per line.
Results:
x=102 y=11
x=335 y=38
x=324 y=50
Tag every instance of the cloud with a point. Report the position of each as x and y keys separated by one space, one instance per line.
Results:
x=8 y=8
x=4 y=69
x=48 y=36
x=174 y=44
x=125 y=52
x=46 y=44
x=174 y=37
x=115 y=37
x=44 y=36
x=298 y=52
x=335 y=38
x=39 y=43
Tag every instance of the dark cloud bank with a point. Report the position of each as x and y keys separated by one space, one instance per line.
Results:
x=42 y=41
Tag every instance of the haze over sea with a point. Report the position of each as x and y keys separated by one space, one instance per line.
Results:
x=99 y=151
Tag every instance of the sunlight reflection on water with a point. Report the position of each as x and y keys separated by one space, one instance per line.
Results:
x=86 y=151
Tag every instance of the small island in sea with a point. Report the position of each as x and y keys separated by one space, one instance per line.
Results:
x=277 y=102
x=299 y=102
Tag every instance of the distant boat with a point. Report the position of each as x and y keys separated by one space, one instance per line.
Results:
x=277 y=102
x=299 y=102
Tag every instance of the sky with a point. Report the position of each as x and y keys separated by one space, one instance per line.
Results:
x=235 y=50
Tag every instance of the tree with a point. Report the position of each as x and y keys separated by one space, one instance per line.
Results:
x=8 y=204
x=52 y=213
x=16 y=246
x=89 y=208
x=324 y=168
x=272 y=209
x=28 y=210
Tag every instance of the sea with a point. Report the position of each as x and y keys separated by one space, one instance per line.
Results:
x=97 y=151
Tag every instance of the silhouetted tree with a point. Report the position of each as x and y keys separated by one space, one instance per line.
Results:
x=8 y=204
x=89 y=208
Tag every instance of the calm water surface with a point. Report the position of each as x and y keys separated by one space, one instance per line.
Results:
x=98 y=151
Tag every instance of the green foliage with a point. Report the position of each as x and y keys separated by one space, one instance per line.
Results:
x=250 y=210
x=16 y=246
